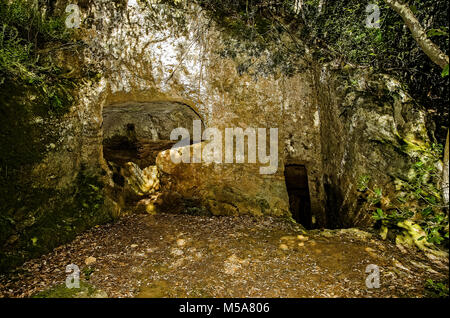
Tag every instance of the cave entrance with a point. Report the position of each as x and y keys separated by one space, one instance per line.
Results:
x=299 y=201
x=134 y=133
x=137 y=132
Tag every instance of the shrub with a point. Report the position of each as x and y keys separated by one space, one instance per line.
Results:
x=24 y=32
x=416 y=198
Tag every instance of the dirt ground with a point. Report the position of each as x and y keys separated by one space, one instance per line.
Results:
x=197 y=256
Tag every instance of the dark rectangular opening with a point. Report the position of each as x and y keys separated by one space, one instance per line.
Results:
x=299 y=201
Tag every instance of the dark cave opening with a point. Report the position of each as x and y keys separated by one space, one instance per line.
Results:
x=137 y=131
x=134 y=133
x=143 y=152
x=299 y=200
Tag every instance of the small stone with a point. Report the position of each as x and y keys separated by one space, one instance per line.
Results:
x=302 y=238
x=176 y=251
x=301 y=244
x=90 y=260
x=181 y=242
x=177 y=263
x=233 y=263
x=134 y=245
x=100 y=294
x=284 y=247
x=198 y=255
x=150 y=208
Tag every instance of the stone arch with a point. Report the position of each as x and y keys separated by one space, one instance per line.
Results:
x=133 y=133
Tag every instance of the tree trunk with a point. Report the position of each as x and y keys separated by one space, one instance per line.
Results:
x=445 y=182
x=418 y=33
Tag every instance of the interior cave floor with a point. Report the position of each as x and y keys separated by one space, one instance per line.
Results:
x=168 y=255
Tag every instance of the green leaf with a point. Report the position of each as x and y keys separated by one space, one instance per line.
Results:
x=436 y=32
x=94 y=187
x=427 y=211
x=377 y=191
x=445 y=71
x=378 y=215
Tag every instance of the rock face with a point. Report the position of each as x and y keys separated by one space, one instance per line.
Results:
x=141 y=182
x=152 y=56
x=220 y=189
x=153 y=121
x=327 y=120
x=377 y=135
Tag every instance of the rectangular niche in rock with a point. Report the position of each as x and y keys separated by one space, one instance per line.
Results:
x=299 y=201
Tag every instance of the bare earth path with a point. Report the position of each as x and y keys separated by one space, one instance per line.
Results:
x=196 y=256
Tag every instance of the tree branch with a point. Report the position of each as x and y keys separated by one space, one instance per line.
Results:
x=418 y=33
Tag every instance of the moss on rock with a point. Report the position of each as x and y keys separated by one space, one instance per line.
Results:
x=86 y=290
x=36 y=217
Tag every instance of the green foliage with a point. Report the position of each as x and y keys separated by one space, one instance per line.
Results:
x=445 y=71
x=88 y=271
x=363 y=183
x=86 y=290
x=437 y=32
x=339 y=32
x=90 y=194
x=25 y=31
x=436 y=289
x=261 y=26
x=393 y=217
x=416 y=198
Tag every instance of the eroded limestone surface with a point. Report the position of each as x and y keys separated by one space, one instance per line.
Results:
x=327 y=119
